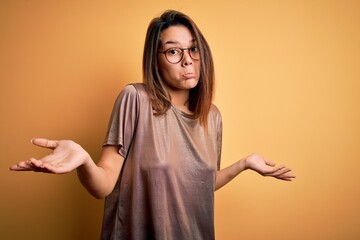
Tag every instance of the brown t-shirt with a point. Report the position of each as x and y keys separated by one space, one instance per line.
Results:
x=166 y=187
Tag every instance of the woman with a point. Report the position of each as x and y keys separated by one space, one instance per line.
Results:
x=160 y=161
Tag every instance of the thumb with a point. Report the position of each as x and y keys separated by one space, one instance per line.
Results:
x=45 y=143
x=270 y=163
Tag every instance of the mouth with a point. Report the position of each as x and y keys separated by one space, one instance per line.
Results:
x=189 y=75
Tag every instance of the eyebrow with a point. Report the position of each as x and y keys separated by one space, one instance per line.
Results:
x=176 y=42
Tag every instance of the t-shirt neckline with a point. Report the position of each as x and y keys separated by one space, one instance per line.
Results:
x=182 y=113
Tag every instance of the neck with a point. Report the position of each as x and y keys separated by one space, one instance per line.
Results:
x=179 y=98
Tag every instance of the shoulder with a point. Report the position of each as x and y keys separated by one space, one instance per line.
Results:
x=215 y=112
x=215 y=117
x=133 y=88
x=133 y=91
x=139 y=87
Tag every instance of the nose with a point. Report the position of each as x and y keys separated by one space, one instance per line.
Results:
x=187 y=60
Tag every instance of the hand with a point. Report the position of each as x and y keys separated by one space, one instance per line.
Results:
x=267 y=168
x=66 y=156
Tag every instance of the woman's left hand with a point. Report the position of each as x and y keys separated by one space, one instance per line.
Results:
x=266 y=167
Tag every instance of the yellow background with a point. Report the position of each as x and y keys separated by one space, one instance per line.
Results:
x=288 y=86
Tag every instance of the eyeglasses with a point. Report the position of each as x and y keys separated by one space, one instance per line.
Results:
x=175 y=55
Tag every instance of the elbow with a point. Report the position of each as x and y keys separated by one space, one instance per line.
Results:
x=99 y=194
x=218 y=186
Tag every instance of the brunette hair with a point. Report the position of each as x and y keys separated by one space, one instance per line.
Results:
x=201 y=96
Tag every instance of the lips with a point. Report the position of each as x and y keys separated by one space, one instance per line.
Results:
x=189 y=75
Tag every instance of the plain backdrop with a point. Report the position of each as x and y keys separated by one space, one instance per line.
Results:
x=287 y=84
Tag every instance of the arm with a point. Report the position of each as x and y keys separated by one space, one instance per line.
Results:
x=256 y=163
x=99 y=179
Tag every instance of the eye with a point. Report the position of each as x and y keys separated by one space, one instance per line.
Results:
x=173 y=51
x=194 y=49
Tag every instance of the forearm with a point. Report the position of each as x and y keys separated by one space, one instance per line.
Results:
x=94 y=179
x=99 y=179
x=225 y=175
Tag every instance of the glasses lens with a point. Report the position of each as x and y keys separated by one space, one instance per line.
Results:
x=194 y=53
x=174 y=55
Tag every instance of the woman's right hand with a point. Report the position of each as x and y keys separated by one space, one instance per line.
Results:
x=66 y=156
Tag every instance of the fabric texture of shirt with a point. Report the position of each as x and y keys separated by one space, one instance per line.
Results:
x=166 y=186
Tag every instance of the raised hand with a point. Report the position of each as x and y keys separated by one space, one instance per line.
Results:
x=266 y=167
x=66 y=156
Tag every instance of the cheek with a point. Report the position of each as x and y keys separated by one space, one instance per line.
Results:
x=166 y=70
x=163 y=67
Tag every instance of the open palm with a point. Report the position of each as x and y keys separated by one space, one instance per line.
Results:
x=66 y=156
x=267 y=168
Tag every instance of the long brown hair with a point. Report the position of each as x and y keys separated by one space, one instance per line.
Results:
x=201 y=96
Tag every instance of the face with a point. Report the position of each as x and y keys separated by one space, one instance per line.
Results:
x=184 y=75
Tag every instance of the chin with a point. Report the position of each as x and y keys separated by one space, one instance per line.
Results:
x=191 y=83
x=184 y=84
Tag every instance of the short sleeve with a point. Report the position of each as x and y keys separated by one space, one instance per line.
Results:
x=123 y=120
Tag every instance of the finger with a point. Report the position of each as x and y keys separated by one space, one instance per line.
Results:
x=45 y=143
x=284 y=174
x=281 y=172
x=18 y=168
x=29 y=166
x=36 y=163
x=40 y=166
x=269 y=162
x=22 y=166
x=285 y=179
x=287 y=176
x=272 y=171
x=47 y=164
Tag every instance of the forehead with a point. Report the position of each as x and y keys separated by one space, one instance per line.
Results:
x=178 y=34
